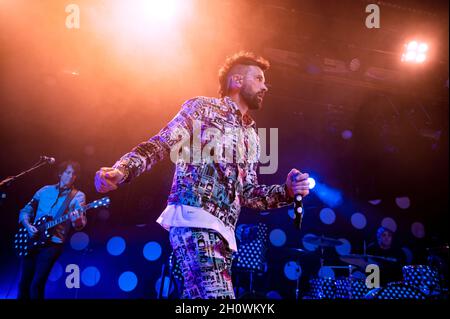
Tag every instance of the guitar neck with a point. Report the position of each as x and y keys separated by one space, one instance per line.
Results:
x=65 y=217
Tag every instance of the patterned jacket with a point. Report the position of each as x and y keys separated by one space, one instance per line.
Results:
x=201 y=139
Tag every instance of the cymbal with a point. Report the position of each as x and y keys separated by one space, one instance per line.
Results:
x=363 y=260
x=339 y=267
x=383 y=258
x=322 y=241
x=297 y=251
x=357 y=260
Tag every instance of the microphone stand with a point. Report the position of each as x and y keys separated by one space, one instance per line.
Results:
x=7 y=181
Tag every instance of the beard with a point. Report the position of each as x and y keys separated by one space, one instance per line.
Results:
x=253 y=100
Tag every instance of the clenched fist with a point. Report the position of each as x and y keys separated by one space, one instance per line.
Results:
x=108 y=179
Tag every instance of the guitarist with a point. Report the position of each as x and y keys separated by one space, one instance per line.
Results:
x=50 y=200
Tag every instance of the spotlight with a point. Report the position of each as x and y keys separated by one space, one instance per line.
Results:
x=330 y=196
x=312 y=182
x=160 y=9
x=420 y=58
x=412 y=46
x=415 y=52
x=423 y=47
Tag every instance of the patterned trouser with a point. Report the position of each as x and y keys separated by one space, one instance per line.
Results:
x=205 y=262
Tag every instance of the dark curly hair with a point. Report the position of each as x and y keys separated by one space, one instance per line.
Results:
x=240 y=58
x=63 y=166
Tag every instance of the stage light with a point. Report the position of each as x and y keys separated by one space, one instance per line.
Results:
x=410 y=56
x=420 y=58
x=412 y=46
x=160 y=9
x=312 y=182
x=423 y=47
x=79 y=240
x=143 y=19
x=116 y=245
x=277 y=237
x=415 y=52
x=128 y=281
x=328 y=195
x=90 y=276
x=152 y=251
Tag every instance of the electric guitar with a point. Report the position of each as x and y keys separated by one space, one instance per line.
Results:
x=24 y=244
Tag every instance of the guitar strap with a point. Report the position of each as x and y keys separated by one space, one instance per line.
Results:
x=66 y=202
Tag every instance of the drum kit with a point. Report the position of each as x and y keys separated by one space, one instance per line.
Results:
x=419 y=281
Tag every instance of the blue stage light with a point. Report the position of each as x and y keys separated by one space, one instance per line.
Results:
x=128 y=281
x=90 y=276
x=116 y=245
x=312 y=182
x=152 y=251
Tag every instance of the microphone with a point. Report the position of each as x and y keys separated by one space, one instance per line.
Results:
x=298 y=206
x=50 y=160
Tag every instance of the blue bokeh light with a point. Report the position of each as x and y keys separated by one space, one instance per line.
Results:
x=90 y=276
x=152 y=251
x=79 y=241
x=327 y=216
x=277 y=237
x=116 y=245
x=128 y=281
x=345 y=248
x=326 y=272
x=330 y=196
x=358 y=220
x=292 y=270
x=56 y=272
x=312 y=182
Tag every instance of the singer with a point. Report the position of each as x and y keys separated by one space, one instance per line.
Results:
x=52 y=200
x=206 y=197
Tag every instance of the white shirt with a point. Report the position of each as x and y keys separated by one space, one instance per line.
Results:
x=190 y=216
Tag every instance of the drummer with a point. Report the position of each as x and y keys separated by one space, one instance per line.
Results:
x=390 y=271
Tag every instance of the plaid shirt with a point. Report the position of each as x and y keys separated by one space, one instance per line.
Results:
x=220 y=187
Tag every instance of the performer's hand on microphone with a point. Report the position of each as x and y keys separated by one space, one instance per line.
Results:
x=107 y=179
x=297 y=183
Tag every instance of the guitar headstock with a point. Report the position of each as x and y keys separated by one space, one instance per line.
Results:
x=103 y=202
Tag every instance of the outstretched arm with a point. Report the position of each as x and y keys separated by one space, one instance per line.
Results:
x=144 y=156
